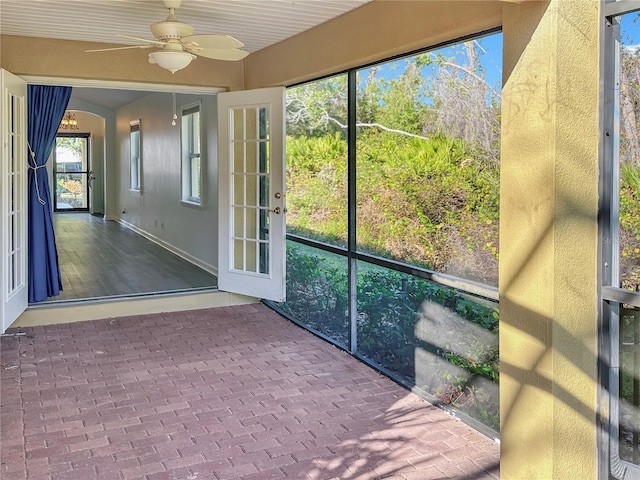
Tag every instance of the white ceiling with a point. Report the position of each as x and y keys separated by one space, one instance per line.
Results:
x=109 y=98
x=256 y=23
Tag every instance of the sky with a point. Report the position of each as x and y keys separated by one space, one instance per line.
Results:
x=489 y=50
x=490 y=53
x=491 y=61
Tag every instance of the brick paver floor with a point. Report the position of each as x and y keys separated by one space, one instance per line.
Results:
x=232 y=392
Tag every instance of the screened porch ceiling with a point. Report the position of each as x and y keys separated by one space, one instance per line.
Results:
x=256 y=23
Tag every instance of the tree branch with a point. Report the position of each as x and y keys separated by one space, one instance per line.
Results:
x=381 y=127
x=469 y=72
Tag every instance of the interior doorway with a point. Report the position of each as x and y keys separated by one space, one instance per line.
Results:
x=72 y=172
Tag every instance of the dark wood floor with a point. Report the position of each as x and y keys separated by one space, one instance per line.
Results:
x=101 y=258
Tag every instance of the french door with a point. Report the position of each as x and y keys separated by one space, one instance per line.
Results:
x=251 y=255
x=252 y=209
x=13 y=199
x=71 y=172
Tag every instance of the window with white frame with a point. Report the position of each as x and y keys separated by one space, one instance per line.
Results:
x=191 y=155
x=135 y=156
x=620 y=243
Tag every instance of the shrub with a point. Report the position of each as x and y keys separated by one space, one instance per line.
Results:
x=400 y=318
x=426 y=202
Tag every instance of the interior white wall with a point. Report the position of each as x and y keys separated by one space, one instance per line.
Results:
x=96 y=126
x=157 y=212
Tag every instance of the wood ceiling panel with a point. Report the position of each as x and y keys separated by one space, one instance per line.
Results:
x=256 y=23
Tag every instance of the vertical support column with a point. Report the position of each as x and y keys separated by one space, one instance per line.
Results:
x=351 y=213
x=548 y=240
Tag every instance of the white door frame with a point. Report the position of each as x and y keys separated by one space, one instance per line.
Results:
x=251 y=193
x=14 y=209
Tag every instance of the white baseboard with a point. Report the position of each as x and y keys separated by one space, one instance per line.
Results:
x=166 y=245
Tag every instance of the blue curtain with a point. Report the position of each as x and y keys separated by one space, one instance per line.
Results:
x=46 y=107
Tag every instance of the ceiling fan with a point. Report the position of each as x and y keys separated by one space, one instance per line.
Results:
x=178 y=46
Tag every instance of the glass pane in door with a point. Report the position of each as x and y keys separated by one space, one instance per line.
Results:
x=250 y=185
x=16 y=208
x=72 y=173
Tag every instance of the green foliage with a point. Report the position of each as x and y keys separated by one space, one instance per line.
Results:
x=307 y=155
x=318 y=108
x=389 y=309
x=630 y=104
x=629 y=225
x=75 y=144
x=389 y=305
x=401 y=101
x=427 y=162
x=317 y=293
x=485 y=369
x=427 y=193
x=629 y=137
x=414 y=197
x=317 y=187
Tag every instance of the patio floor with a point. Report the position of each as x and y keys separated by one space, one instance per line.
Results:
x=231 y=392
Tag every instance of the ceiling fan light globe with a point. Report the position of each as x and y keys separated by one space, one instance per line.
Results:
x=172 y=61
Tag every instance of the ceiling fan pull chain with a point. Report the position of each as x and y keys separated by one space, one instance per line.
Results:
x=175 y=117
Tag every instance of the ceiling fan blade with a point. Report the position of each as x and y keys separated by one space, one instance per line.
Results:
x=140 y=39
x=120 y=48
x=211 y=41
x=229 y=54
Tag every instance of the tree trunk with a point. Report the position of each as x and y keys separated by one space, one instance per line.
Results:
x=629 y=141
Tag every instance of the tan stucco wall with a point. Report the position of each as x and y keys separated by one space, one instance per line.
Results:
x=375 y=31
x=548 y=240
x=68 y=59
